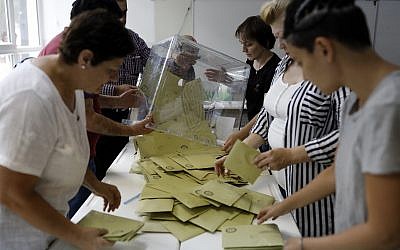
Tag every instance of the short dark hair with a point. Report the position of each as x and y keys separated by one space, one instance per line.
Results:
x=98 y=31
x=79 y=6
x=341 y=20
x=254 y=28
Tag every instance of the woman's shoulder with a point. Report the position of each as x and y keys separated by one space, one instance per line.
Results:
x=387 y=93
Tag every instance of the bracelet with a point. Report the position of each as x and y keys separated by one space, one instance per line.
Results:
x=301 y=244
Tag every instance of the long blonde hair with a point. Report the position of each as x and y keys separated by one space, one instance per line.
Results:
x=272 y=10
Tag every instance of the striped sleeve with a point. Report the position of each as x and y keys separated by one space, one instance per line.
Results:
x=261 y=125
x=323 y=149
x=108 y=89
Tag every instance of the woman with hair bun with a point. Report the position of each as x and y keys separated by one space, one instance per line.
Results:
x=330 y=39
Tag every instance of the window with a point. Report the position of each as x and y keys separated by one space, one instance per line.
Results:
x=19 y=32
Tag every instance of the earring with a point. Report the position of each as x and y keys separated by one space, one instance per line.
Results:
x=83 y=66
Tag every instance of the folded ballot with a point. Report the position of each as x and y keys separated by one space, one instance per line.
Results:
x=254 y=237
x=119 y=228
x=240 y=161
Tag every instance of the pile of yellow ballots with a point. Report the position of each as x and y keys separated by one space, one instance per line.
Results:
x=184 y=194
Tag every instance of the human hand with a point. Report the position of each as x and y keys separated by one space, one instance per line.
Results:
x=92 y=239
x=120 y=89
x=110 y=195
x=293 y=244
x=232 y=139
x=141 y=127
x=131 y=98
x=274 y=159
x=271 y=211
x=219 y=167
x=216 y=75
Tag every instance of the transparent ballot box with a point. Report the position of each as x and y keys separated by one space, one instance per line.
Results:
x=187 y=87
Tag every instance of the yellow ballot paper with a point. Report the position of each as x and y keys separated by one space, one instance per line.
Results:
x=158 y=143
x=155 y=205
x=259 y=200
x=153 y=226
x=184 y=213
x=221 y=192
x=119 y=228
x=240 y=219
x=182 y=231
x=265 y=236
x=166 y=163
x=240 y=161
x=148 y=192
x=211 y=219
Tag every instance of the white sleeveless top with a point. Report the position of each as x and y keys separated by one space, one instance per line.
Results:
x=276 y=102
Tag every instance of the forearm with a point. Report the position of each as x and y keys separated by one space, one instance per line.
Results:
x=254 y=140
x=107 y=101
x=363 y=236
x=37 y=212
x=100 y=124
x=299 y=155
x=90 y=180
x=246 y=129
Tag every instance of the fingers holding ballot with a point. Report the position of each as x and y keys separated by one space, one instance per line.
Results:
x=240 y=161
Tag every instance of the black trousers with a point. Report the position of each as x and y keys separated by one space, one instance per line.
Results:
x=108 y=147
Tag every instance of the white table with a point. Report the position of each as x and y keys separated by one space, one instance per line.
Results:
x=131 y=184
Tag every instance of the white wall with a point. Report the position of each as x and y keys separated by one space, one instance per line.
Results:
x=215 y=23
x=155 y=20
x=169 y=17
x=387 y=39
x=53 y=17
x=141 y=19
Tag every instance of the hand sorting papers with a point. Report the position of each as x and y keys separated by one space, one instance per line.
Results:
x=119 y=228
x=240 y=162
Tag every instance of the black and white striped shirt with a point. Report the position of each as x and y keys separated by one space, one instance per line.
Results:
x=312 y=120
x=131 y=67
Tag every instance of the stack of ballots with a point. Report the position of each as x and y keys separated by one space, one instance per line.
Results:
x=184 y=196
x=252 y=237
x=119 y=228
